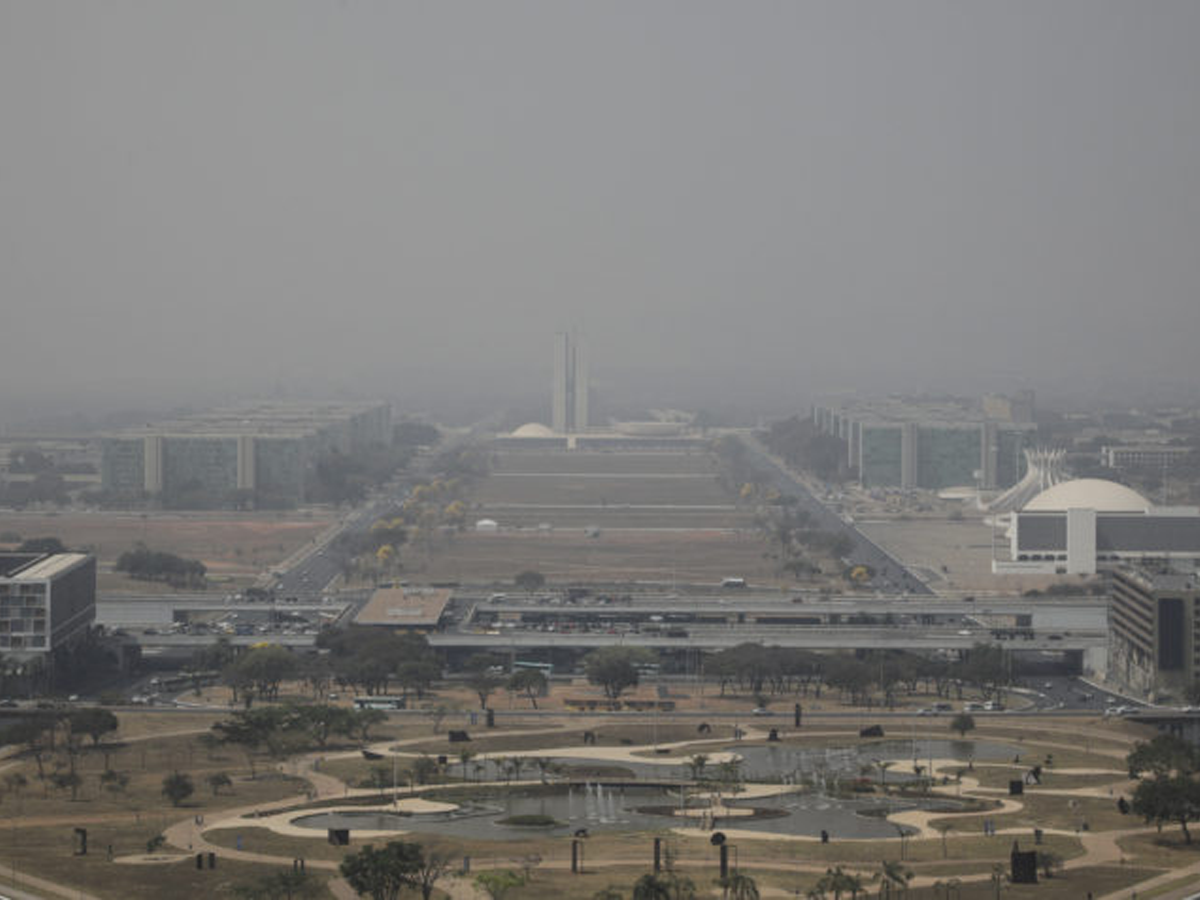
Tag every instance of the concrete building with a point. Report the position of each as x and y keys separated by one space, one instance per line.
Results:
x=47 y=603
x=1084 y=525
x=1143 y=456
x=569 y=405
x=258 y=451
x=927 y=444
x=1154 y=642
x=405 y=609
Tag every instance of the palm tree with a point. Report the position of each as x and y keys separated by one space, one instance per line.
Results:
x=736 y=886
x=696 y=764
x=464 y=757
x=883 y=765
x=894 y=874
x=837 y=881
x=944 y=828
x=729 y=773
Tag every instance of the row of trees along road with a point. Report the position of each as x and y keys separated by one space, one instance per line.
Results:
x=758 y=670
x=371 y=660
x=367 y=660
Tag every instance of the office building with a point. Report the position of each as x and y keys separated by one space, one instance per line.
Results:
x=931 y=445
x=1085 y=525
x=1154 y=616
x=1143 y=456
x=569 y=405
x=255 y=453
x=47 y=603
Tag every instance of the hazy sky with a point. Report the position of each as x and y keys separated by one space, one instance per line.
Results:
x=399 y=197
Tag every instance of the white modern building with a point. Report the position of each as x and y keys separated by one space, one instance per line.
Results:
x=47 y=602
x=1080 y=526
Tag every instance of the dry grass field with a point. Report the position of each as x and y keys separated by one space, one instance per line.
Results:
x=661 y=517
x=233 y=546
x=615 y=555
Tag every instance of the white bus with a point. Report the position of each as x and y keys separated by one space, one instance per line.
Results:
x=380 y=702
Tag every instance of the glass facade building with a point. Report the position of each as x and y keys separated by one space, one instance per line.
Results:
x=261 y=453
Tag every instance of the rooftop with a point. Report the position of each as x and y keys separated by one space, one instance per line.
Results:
x=37 y=566
x=1088 y=493
x=405 y=607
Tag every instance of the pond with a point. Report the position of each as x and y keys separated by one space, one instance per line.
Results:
x=776 y=762
x=598 y=807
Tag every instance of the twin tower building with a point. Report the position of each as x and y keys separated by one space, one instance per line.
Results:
x=570 y=396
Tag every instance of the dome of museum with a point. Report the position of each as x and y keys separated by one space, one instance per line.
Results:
x=1088 y=493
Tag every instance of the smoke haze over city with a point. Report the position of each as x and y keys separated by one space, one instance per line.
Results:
x=761 y=201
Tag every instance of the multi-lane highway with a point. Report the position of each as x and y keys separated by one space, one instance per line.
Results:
x=890 y=574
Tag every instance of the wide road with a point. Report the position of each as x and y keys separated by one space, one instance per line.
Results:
x=890 y=574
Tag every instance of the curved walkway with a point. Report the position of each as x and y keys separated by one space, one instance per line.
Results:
x=1100 y=848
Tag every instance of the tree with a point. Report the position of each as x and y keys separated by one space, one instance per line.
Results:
x=288 y=885
x=267 y=726
x=497 y=885
x=614 y=668
x=1163 y=755
x=320 y=720
x=962 y=723
x=63 y=781
x=364 y=720
x=218 y=780
x=837 y=881
x=382 y=873
x=894 y=875
x=116 y=782
x=531 y=682
x=464 y=757
x=428 y=872
x=15 y=783
x=1172 y=793
x=483 y=683
x=738 y=886
x=94 y=722
x=424 y=768
x=42 y=545
x=529 y=581
x=1049 y=862
x=178 y=787
x=35 y=735
x=945 y=828
x=1169 y=798
x=264 y=668
x=664 y=886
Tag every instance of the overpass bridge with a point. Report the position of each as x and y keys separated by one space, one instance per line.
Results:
x=810 y=638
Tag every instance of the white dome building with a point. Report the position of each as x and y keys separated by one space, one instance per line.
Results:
x=1088 y=493
x=1078 y=526
x=533 y=430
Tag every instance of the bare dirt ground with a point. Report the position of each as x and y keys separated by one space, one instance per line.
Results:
x=684 y=556
x=963 y=547
x=660 y=516
x=234 y=546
